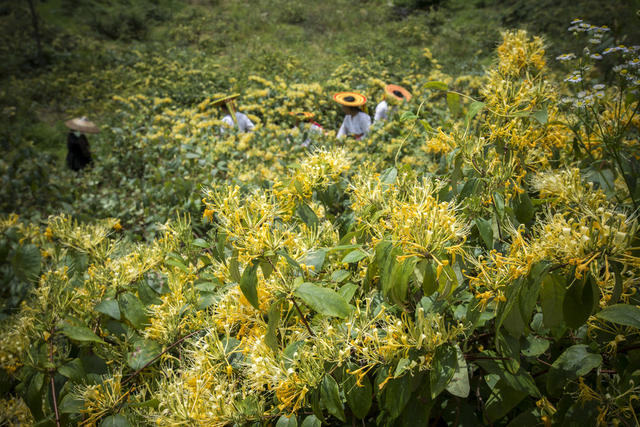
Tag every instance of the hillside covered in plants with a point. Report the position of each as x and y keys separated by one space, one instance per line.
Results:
x=474 y=261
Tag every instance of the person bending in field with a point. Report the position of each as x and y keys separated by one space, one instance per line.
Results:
x=394 y=95
x=309 y=128
x=232 y=118
x=356 y=122
x=78 y=153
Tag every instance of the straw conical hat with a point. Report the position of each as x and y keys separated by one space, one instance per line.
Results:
x=81 y=124
x=223 y=99
x=398 y=92
x=302 y=115
x=350 y=99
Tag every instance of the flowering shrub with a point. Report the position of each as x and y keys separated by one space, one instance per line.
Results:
x=471 y=261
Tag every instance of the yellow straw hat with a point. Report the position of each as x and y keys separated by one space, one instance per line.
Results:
x=82 y=124
x=350 y=99
x=302 y=115
x=398 y=92
x=223 y=99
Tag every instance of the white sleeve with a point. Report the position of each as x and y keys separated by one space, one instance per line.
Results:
x=343 y=131
x=365 y=123
x=227 y=122
x=381 y=111
x=246 y=123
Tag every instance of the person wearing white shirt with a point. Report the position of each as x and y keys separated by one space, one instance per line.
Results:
x=394 y=94
x=308 y=127
x=232 y=118
x=242 y=122
x=356 y=122
x=382 y=111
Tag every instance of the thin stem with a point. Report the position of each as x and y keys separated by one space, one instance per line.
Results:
x=395 y=160
x=302 y=317
x=130 y=377
x=53 y=385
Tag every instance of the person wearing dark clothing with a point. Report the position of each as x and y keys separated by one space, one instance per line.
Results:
x=79 y=155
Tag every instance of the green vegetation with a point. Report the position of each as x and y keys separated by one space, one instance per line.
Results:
x=473 y=261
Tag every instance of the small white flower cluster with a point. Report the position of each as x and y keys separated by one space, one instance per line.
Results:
x=578 y=26
x=566 y=57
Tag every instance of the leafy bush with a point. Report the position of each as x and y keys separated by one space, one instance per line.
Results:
x=463 y=262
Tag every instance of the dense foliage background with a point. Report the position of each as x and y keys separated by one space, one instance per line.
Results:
x=474 y=261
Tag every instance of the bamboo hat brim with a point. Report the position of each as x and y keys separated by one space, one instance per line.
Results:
x=398 y=92
x=302 y=115
x=224 y=99
x=81 y=124
x=350 y=99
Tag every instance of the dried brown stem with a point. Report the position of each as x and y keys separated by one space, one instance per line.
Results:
x=302 y=317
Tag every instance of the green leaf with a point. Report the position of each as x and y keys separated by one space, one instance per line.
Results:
x=307 y=215
x=201 y=243
x=397 y=394
x=552 y=298
x=534 y=346
x=331 y=397
x=622 y=314
x=176 y=263
x=80 y=334
x=71 y=405
x=453 y=101
x=73 y=370
x=541 y=116
x=34 y=394
x=436 y=85
x=115 y=421
x=249 y=284
x=270 y=337
x=285 y=421
x=574 y=362
x=521 y=381
x=359 y=398
x=399 y=282
x=486 y=232
x=474 y=109
x=426 y=126
x=133 y=310
x=468 y=189
x=315 y=258
x=498 y=201
x=347 y=291
x=502 y=399
x=339 y=276
x=234 y=267
x=324 y=301
x=445 y=364
x=354 y=256
x=109 y=307
x=26 y=262
x=523 y=208
x=579 y=302
x=311 y=421
x=459 y=384
x=388 y=176
x=144 y=351
x=429 y=278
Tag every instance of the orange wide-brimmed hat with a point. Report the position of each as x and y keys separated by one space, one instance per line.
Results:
x=302 y=115
x=398 y=92
x=82 y=124
x=350 y=99
x=223 y=99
